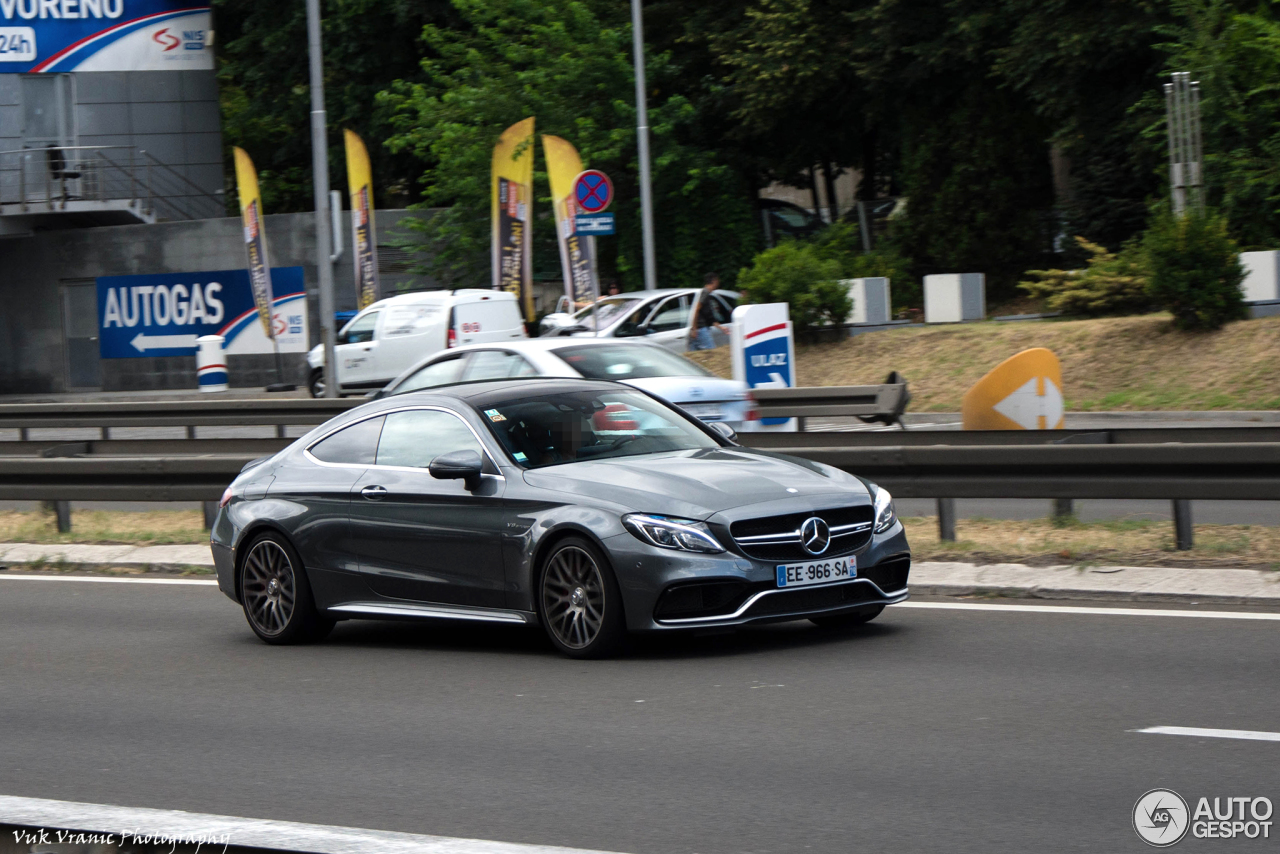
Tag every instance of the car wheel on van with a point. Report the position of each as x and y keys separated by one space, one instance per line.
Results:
x=315 y=382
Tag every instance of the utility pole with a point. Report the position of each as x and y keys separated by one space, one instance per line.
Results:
x=1186 y=152
x=320 y=177
x=642 y=137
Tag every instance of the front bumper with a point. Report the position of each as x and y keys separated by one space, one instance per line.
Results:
x=751 y=595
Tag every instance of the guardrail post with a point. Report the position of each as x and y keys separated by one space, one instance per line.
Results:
x=210 y=513
x=280 y=431
x=1063 y=509
x=947 y=520
x=62 y=509
x=1183 y=531
x=191 y=431
x=23 y=435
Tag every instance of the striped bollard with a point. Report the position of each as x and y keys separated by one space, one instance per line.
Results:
x=211 y=363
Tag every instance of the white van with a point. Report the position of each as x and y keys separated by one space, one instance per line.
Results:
x=398 y=332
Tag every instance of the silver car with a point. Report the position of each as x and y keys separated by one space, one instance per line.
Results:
x=660 y=317
x=656 y=370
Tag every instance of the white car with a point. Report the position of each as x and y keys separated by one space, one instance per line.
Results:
x=393 y=334
x=637 y=363
x=660 y=316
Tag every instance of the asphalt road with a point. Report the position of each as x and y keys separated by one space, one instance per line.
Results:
x=930 y=730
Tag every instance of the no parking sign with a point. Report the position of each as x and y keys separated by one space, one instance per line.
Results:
x=592 y=193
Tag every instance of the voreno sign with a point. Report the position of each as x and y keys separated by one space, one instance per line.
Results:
x=105 y=35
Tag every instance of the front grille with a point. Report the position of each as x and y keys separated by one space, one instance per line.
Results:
x=784 y=532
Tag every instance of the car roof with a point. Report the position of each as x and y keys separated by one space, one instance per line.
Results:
x=484 y=392
x=415 y=297
x=541 y=345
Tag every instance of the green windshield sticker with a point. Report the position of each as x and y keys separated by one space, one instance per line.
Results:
x=495 y=415
x=520 y=458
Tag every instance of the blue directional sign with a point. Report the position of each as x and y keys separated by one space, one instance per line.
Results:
x=593 y=224
x=164 y=314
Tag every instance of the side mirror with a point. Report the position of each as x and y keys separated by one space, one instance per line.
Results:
x=459 y=465
x=724 y=430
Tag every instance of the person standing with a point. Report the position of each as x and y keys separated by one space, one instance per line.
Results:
x=705 y=316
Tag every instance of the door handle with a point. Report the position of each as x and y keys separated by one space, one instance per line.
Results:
x=374 y=493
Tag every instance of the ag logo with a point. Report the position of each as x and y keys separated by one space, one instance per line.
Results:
x=1160 y=818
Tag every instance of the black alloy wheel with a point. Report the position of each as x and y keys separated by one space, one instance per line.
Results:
x=579 y=602
x=276 y=595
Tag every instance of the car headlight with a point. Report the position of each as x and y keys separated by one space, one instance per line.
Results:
x=885 y=517
x=667 y=533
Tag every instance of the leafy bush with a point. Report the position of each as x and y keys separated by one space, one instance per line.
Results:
x=793 y=273
x=1111 y=284
x=1195 y=269
x=842 y=242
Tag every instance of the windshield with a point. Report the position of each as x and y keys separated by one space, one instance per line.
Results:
x=628 y=362
x=565 y=427
x=606 y=311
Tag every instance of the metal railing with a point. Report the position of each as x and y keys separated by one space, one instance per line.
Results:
x=61 y=179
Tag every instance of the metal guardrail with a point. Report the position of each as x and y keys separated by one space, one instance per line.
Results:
x=1166 y=471
x=883 y=403
x=1109 y=436
x=172 y=413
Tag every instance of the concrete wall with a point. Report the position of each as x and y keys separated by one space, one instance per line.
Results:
x=34 y=271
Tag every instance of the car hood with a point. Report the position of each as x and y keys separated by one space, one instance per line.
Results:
x=692 y=389
x=696 y=484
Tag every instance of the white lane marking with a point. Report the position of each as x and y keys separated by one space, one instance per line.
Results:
x=181 y=826
x=1198 y=732
x=109 y=579
x=1075 y=609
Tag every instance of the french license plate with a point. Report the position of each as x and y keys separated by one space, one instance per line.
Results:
x=705 y=411
x=818 y=572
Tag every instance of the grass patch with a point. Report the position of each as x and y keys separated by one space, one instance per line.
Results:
x=114 y=527
x=1126 y=542
x=1115 y=363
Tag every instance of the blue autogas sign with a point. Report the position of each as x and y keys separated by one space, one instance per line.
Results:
x=164 y=314
x=104 y=35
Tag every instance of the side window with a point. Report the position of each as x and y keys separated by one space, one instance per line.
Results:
x=630 y=327
x=416 y=437
x=361 y=329
x=672 y=314
x=724 y=307
x=497 y=365
x=435 y=374
x=354 y=445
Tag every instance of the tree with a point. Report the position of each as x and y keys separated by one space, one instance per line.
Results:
x=570 y=67
x=266 y=101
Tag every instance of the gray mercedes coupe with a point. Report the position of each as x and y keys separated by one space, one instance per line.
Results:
x=588 y=507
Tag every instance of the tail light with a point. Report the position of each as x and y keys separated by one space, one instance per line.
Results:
x=452 y=340
x=613 y=419
x=753 y=411
x=226 y=496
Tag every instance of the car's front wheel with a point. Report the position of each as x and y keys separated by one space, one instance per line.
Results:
x=276 y=594
x=845 y=621
x=579 y=602
x=315 y=382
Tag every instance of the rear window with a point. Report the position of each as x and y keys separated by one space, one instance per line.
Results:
x=628 y=362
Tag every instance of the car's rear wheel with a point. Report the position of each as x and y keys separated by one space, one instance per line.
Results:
x=315 y=382
x=853 y=618
x=579 y=602
x=276 y=595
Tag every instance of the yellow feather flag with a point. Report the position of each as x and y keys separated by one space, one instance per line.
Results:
x=255 y=238
x=513 y=213
x=577 y=253
x=363 y=233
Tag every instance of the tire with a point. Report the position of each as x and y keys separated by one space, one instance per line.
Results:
x=579 y=602
x=315 y=382
x=860 y=617
x=276 y=594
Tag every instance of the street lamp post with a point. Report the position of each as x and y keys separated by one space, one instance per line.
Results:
x=320 y=177
x=642 y=136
